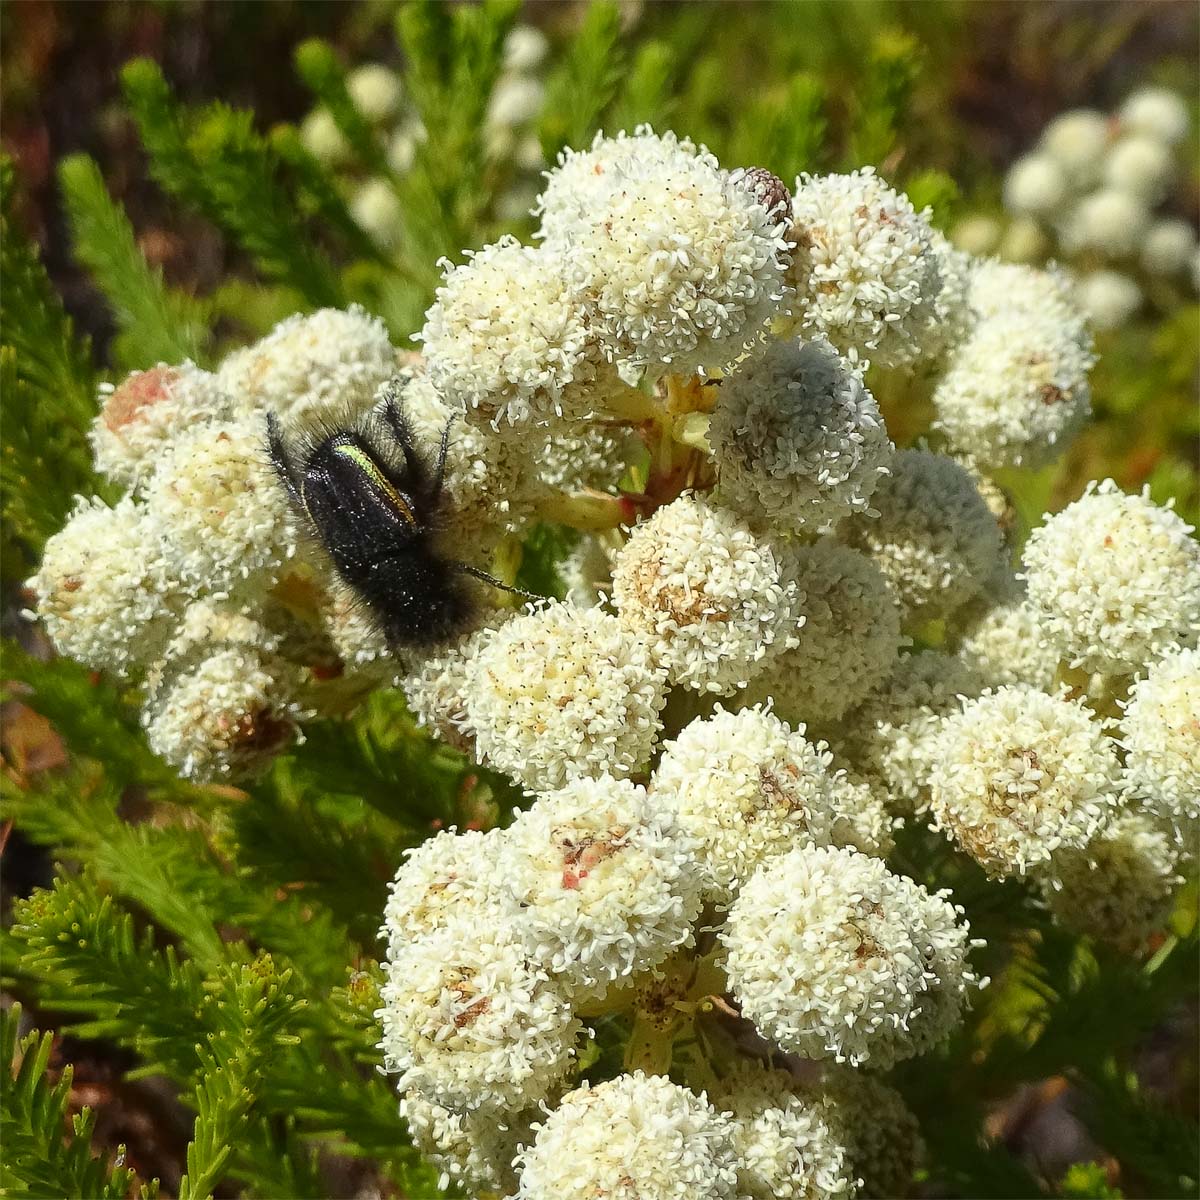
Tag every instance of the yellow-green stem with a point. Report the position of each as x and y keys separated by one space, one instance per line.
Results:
x=585 y=510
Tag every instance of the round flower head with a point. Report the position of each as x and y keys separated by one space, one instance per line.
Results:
x=849 y=640
x=564 y=693
x=141 y=415
x=377 y=208
x=375 y=90
x=680 y=266
x=952 y=317
x=745 y=788
x=876 y=953
x=505 y=340
x=221 y=510
x=105 y=593
x=865 y=272
x=468 y=1019
x=323 y=139
x=710 y=594
x=636 y=1137
x=786 y=1147
x=448 y=875
x=1141 y=166
x=1109 y=221
x=799 y=442
x=515 y=100
x=935 y=540
x=1077 y=141
x=525 y=48
x=1044 y=295
x=1109 y=298
x=604 y=885
x=1015 y=392
x=1035 y=184
x=1155 y=112
x=1168 y=247
x=881 y=1136
x=861 y=820
x=581 y=456
x=891 y=738
x=1018 y=774
x=1161 y=736
x=586 y=573
x=1117 y=580
x=1007 y=644
x=327 y=363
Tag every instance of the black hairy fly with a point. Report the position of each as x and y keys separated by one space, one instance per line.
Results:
x=371 y=498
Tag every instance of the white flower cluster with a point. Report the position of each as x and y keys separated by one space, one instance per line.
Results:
x=1093 y=191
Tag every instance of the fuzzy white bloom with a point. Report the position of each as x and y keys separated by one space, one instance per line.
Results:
x=323 y=139
x=1015 y=392
x=325 y=363
x=953 y=316
x=525 y=48
x=1140 y=165
x=1043 y=294
x=977 y=234
x=563 y=693
x=861 y=819
x=892 y=737
x=1161 y=735
x=404 y=143
x=1018 y=774
x=357 y=639
x=515 y=100
x=636 y=1137
x=787 y=1146
x=1109 y=221
x=142 y=414
x=1077 y=140
x=1109 y=298
x=1036 y=184
x=469 y=1019
x=935 y=540
x=883 y=962
x=1156 y=112
x=677 y=263
x=746 y=788
x=1117 y=579
x=864 y=269
x=1168 y=247
x=881 y=1136
x=849 y=640
x=1008 y=644
x=506 y=339
x=1120 y=886
x=376 y=91
x=221 y=511
x=798 y=439
x=104 y=590
x=444 y=877
x=582 y=456
x=710 y=594
x=604 y=885
x=586 y=573
x=376 y=207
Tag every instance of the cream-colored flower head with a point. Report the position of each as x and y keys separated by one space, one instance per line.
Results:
x=1156 y=112
x=1140 y=165
x=145 y=411
x=376 y=91
x=1116 y=579
x=1109 y=298
x=220 y=509
x=376 y=207
x=746 y=788
x=883 y=961
x=1019 y=774
x=787 y=1147
x=469 y=1019
x=1108 y=221
x=1015 y=392
x=891 y=738
x=953 y=316
x=582 y=456
x=1077 y=140
x=1007 y=644
x=604 y=885
x=1161 y=735
x=865 y=272
x=564 y=693
x=798 y=439
x=1035 y=184
x=1044 y=294
x=1120 y=887
x=323 y=364
x=105 y=591
x=848 y=642
x=636 y=1137
x=861 y=820
x=711 y=596
x=935 y=540
x=680 y=267
x=506 y=340
x=586 y=573
x=1169 y=246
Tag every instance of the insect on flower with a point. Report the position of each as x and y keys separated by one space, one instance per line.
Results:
x=372 y=500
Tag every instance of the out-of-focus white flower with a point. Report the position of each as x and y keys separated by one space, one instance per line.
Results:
x=1036 y=184
x=977 y=234
x=1110 y=221
x=376 y=207
x=1155 y=112
x=883 y=961
x=635 y=1136
x=403 y=145
x=525 y=48
x=1018 y=774
x=1168 y=247
x=746 y=788
x=1109 y=298
x=1117 y=580
x=1024 y=241
x=798 y=439
x=563 y=693
x=1077 y=140
x=953 y=316
x=935 y=540
x=323 y=139
x=1043 y=294
x=864 y=269
x=1007 y=644
x=515 y=100
x=586 y=573
x=375 y=90
x=711 y=596
x=1140 y=165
